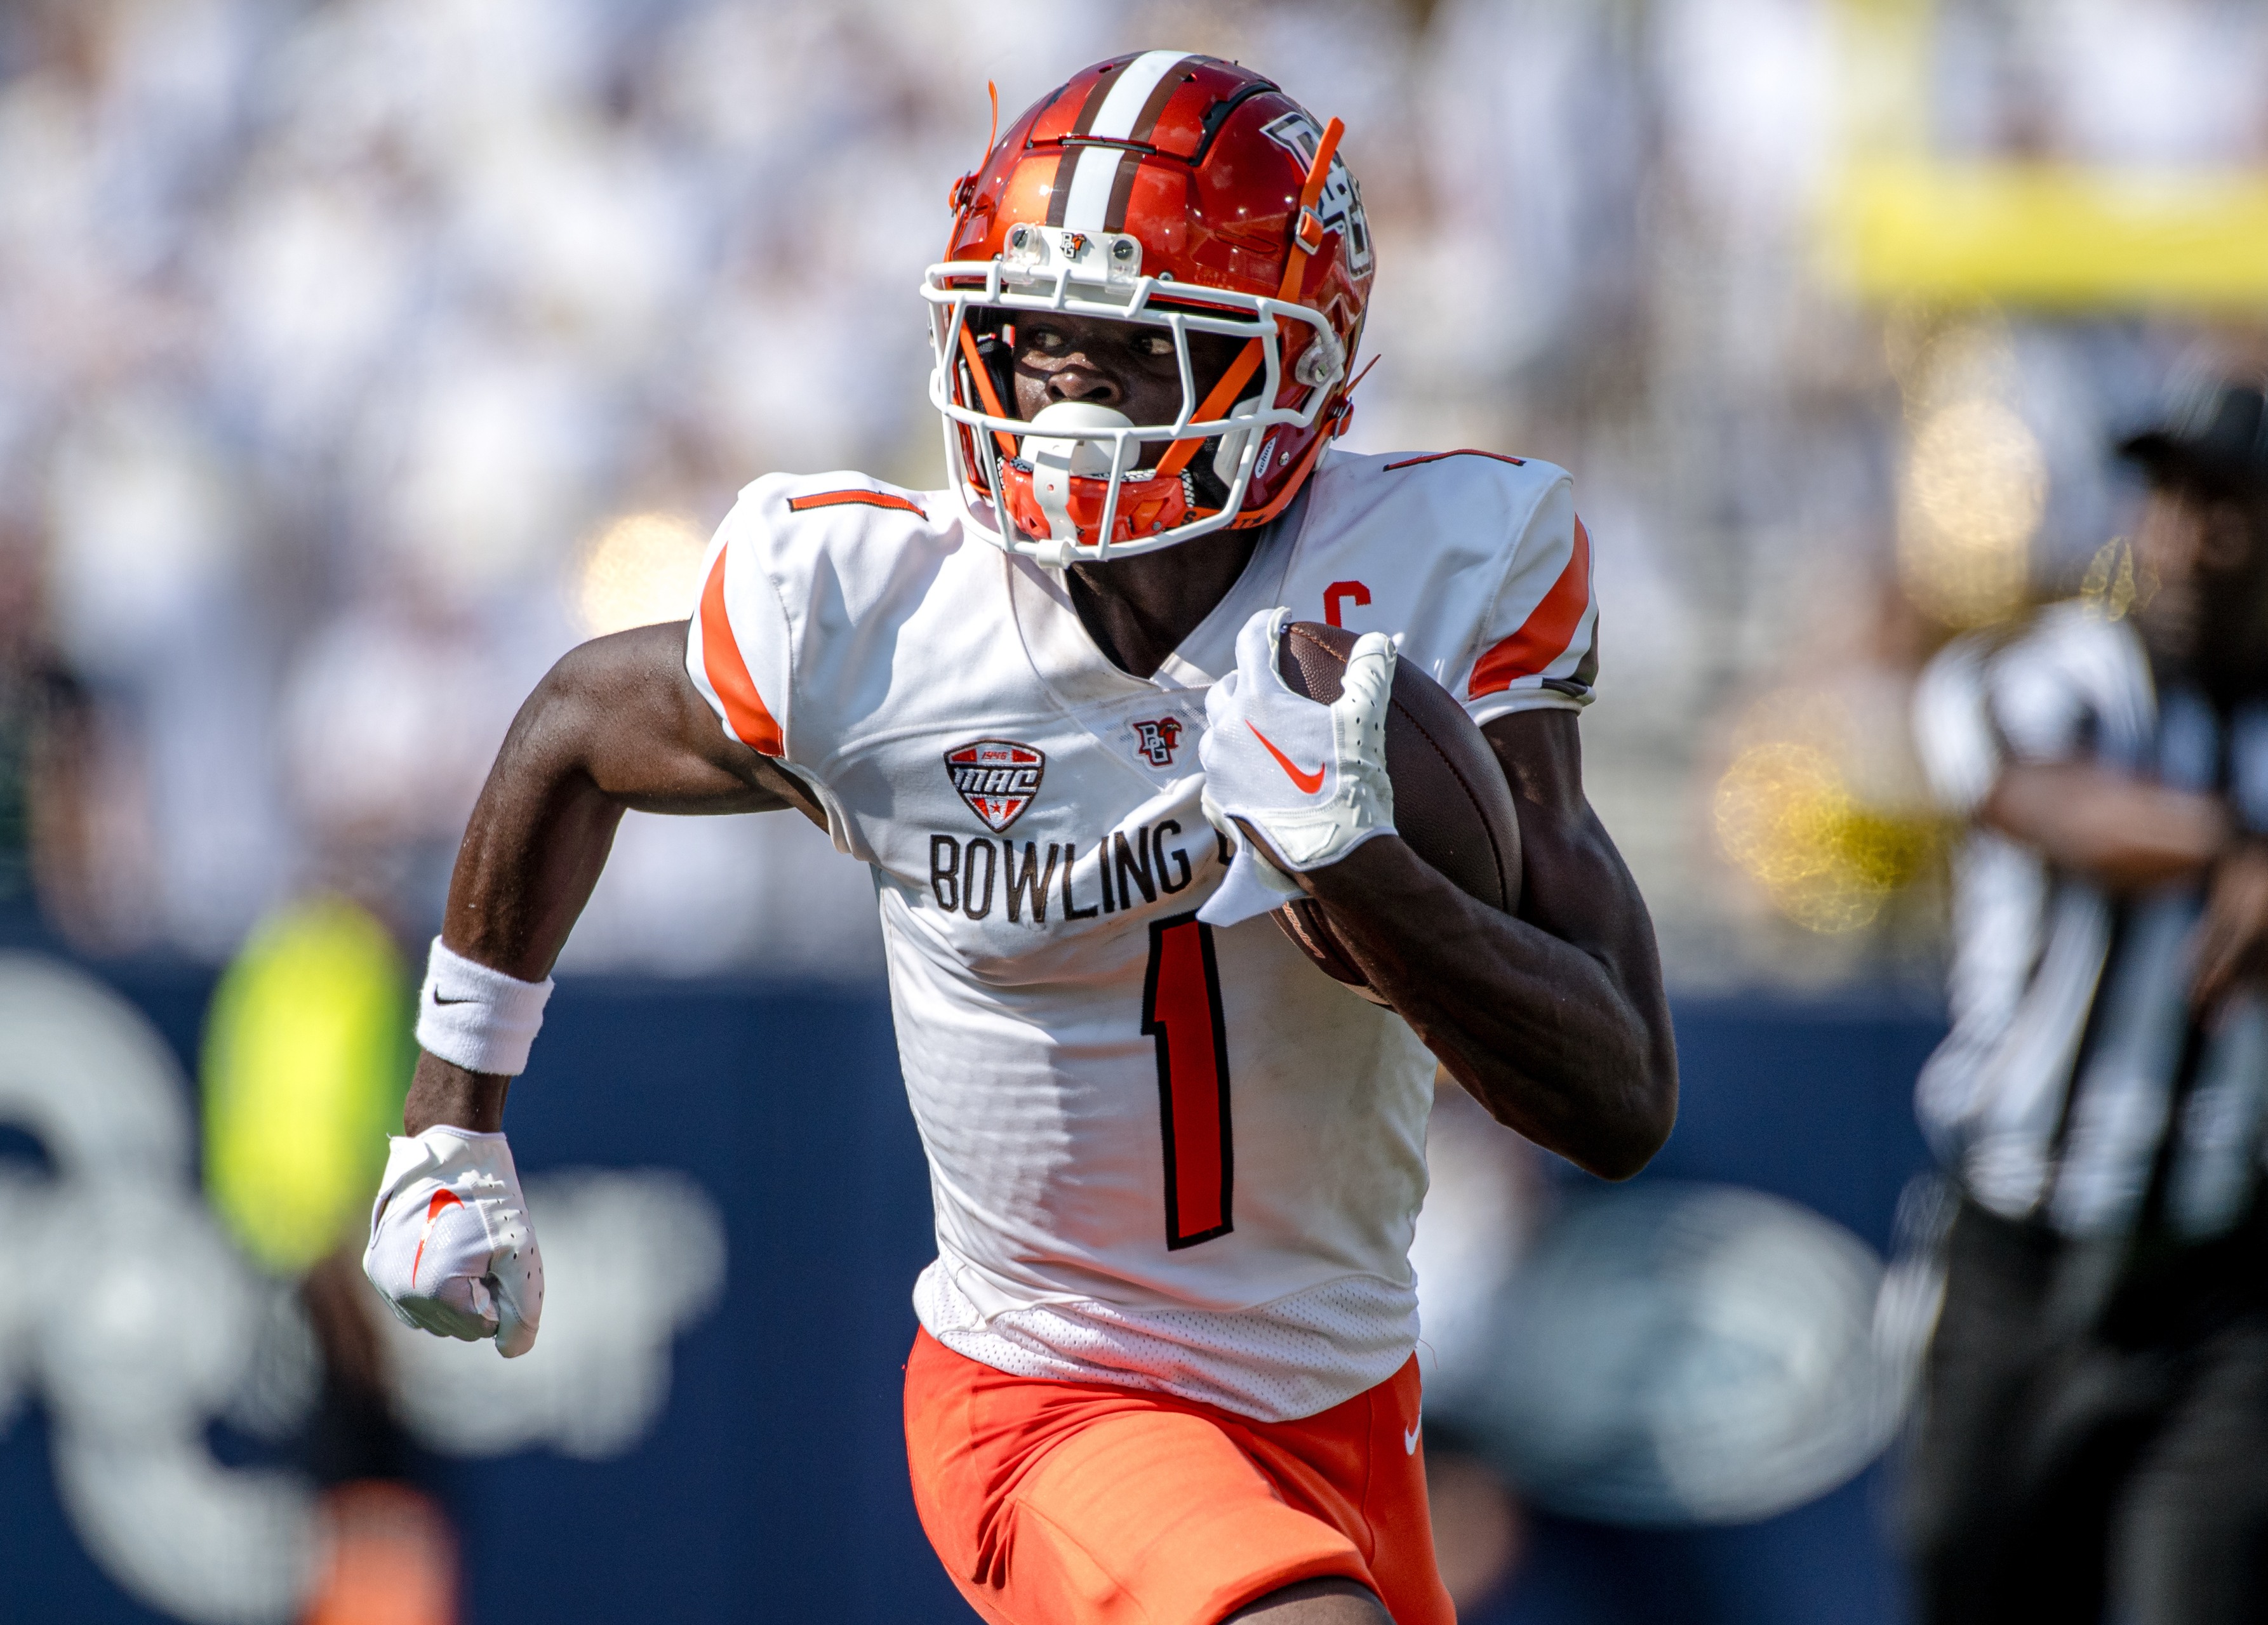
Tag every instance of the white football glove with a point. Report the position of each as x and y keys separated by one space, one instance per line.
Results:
x=451 y=1248
x=1310 y=778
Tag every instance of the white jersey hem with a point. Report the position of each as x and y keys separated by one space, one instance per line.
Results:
x=1294 y=1356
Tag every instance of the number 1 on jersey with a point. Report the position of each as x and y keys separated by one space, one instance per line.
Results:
x=1180 y=1009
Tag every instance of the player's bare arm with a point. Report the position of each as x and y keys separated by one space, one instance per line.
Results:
x=616 y=727
x=2230 y=949
x=1554 y=1020
x=2129 y=835
x=2127 y=832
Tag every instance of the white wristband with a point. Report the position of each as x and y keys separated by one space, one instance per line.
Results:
x=477 y=1017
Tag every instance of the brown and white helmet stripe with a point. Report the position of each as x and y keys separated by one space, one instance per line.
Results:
x=1096 y=175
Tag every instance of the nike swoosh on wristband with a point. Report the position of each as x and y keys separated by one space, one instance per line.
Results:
x=1308 y=783
x=441 y=1198
x=439 y=999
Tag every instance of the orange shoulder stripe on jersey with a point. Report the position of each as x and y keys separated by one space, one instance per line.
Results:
x=1550 y=626
x=865 y=499
x=1462 y=451
x=744 y=711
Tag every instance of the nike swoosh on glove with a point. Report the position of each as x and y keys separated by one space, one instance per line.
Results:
x=1309 y=778
x=451 y=1247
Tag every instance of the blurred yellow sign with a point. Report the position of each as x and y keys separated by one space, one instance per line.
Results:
x=306 y=1058
x=2053 y=234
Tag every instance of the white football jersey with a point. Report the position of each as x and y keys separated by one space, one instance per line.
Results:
x=1162 y=1155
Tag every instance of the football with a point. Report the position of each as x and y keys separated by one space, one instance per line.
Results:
x=1451 y=803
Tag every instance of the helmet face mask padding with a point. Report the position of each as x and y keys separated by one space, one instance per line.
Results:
x=1175 y=192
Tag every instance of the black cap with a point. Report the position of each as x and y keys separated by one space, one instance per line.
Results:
x=2215 y=438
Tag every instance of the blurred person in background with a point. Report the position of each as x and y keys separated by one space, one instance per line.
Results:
x=307 y=1059
x=2093 y=1439
x=44 y=726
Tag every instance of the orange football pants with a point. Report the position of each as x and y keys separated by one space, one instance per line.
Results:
x=1087 y=1503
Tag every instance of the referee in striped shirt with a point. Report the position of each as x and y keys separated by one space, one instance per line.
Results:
x=2094 y=1434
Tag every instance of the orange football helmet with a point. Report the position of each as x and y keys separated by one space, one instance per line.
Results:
x=1178 y=191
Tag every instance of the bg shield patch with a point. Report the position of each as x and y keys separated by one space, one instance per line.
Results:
x=997 y=778
x=1156 y=742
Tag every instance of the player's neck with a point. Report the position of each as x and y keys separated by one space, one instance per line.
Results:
x=1139 y=610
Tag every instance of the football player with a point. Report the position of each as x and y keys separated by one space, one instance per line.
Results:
x=1166 y=1366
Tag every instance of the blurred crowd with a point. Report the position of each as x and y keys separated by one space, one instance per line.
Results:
x=361 y=356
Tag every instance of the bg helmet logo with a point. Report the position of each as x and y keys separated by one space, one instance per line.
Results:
x=1340 y=207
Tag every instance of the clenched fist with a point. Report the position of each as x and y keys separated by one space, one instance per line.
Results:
x=451 y=1247
x=1310 y=778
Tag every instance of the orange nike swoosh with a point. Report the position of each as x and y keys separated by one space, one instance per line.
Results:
x=441 y=1198
x=1308 y=783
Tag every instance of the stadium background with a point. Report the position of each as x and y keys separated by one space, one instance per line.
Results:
x=357 y=358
